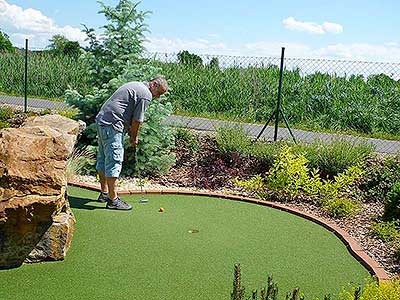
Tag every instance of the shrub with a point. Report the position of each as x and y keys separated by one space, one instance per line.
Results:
x=265 y=152
x=335 y=157
x=187 y=58
x=334 y=194
x=68 y=113
x=379 y=177
x=6 y=113
x=255 y=184
x=387 y=231
x=230 y=140
x=4 y=124
x=339 y=207
x=289 y=173
x=386 y=290
x=81 y=162
x=290 y=177
x=392 y=203
x=234 y=140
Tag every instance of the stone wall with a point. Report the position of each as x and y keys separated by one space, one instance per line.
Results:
x=36 y=222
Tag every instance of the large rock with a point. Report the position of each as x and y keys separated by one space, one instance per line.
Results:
x=36 y=222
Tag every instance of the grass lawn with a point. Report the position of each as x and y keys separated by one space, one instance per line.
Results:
x=144 y=254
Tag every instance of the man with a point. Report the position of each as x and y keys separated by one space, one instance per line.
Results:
x=122 y=112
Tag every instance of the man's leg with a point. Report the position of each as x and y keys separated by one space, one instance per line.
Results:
x=103 y=182
x=114 y=154
x=112 y=187
x=100 y=165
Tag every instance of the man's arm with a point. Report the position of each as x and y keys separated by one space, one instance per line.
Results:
x=134 y=133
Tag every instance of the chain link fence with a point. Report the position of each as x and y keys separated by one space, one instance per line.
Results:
x=321 y=99
x=34 y=72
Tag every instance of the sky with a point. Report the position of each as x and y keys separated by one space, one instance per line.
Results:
x=342 y=29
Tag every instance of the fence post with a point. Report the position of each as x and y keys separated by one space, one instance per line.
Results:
x=26 y=78
x=278 y=106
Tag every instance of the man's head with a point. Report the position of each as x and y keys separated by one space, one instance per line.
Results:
x=158 y=86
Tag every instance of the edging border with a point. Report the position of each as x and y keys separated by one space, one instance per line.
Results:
x=354 y=248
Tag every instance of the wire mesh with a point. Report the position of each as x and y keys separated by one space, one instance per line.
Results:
x=345 y=99
x=322 y=99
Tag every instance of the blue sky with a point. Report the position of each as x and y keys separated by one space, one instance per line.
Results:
x=358 y=30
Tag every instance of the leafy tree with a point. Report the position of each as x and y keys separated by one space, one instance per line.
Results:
x=112 y=61
x=5 y=43
x=59 y=44
x=187 y=58
x=214 y=63
x=121 y=42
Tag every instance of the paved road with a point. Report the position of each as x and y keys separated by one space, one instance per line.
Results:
x=382 y=146
x=32 y=103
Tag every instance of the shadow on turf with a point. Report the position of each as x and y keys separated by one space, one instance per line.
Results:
x=82 y=203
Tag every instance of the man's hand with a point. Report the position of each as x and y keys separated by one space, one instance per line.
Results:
x=134 y=141
x=134 y=133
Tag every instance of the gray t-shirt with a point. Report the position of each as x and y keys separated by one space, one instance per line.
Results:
x=127 y=103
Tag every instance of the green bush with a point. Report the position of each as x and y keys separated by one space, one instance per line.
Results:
x=385 y=290
x=289 y=173
x=290 y=178
x=379 y=178
x=392 y=203
x=335 y=157
x=4 y=124
x=232 y=140
x=341 y=207
x=6 y=113
x=265 y=152
x=387 y=231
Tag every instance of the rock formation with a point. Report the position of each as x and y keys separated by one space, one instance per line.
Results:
x=36 y=222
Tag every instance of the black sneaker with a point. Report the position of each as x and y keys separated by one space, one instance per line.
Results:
x=103 y=197
x=118 y=204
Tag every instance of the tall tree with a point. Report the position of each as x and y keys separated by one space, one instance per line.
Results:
x=112 y=60
x=59 y=44
x=5 y=43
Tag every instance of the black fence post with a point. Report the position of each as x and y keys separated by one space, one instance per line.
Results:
x=26 y=78
x=278 y=106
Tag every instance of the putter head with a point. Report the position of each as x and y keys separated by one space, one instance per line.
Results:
x=143 y=200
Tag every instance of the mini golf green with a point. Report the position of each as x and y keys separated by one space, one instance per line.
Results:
x=145 y=254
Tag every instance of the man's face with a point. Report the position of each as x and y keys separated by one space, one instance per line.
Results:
x=157 y=90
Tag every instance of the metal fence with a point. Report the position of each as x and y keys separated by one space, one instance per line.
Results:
x=321 y=99
x=21 y=71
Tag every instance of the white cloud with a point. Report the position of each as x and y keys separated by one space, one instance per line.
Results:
x=200 y=46
x=332 y=28
x=265 y=48
x=32 y=23
x=311 y=27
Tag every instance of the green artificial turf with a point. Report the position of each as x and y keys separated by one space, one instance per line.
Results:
x=144 y=254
